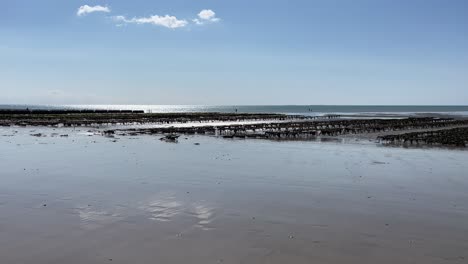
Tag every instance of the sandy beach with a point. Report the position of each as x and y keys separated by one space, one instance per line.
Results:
x=87 y=198
x=233 y=132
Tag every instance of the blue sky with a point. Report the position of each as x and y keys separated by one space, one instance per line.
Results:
x=236 y=52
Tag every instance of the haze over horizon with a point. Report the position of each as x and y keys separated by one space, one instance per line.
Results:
x=212 y=52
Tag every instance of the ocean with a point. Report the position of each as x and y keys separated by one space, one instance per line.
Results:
x=286 y=109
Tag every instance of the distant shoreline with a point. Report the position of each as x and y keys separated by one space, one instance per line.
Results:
x=310 y=110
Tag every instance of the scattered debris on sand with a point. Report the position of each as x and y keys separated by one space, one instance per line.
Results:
x=170 y=138
x=86 y=119
x=457 y=137
x=432 y=131
x=305 y=129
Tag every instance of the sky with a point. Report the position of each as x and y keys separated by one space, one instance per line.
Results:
x=241 y=52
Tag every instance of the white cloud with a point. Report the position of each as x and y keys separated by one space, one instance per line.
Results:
x=206 y=15
x=86 y=9
x=165 y=21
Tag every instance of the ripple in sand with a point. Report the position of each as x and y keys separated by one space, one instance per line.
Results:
x=166 y=207
x=92 y=219
x=163 y=208
x=205 y=216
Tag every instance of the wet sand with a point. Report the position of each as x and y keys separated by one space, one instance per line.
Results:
x=92 y=199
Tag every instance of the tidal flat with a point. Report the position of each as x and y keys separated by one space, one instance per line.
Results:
x=75 y=196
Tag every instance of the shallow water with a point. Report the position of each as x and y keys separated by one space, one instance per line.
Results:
x=87 y=199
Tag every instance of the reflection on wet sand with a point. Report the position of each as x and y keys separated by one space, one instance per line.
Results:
x=228 y=201
x=164 y=207
x=204 y=214
x=92 y=219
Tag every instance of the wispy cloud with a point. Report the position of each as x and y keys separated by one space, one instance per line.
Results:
x=164 y=21
x=86 y=9
x=206 y=16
